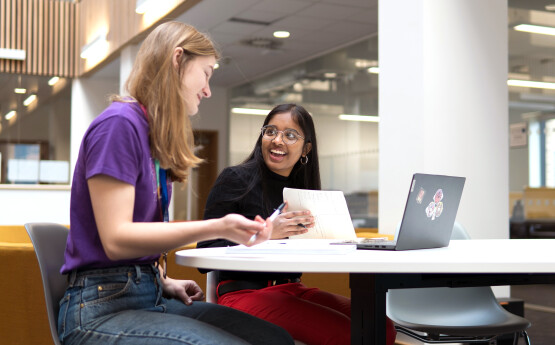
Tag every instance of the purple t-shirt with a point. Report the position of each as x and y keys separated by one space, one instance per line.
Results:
x=115 y=144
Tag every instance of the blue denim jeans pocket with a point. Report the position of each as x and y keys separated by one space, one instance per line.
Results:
x=96 y=294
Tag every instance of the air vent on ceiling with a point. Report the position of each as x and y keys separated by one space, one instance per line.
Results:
x=249 y=21
x=262 y=42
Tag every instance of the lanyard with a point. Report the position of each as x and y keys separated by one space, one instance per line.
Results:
x=162 y=194
x=162 y=190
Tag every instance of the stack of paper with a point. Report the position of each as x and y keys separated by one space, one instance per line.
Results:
x=302 y=247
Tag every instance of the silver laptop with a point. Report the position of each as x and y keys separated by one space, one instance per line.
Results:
x=429 y=215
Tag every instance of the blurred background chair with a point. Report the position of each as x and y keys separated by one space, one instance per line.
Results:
x=49 y=242
x=453 y=315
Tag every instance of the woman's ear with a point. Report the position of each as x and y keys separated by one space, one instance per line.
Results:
x=176 y=57
x=306 y=149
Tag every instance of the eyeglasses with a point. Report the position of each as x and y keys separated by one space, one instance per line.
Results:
x=289 y=136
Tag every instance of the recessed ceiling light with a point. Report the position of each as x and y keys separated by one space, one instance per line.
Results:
x=374 y=70
x=53 y=80
x=330 y=75
x=281 y=34
x=531 y=83
x=20 y=90
x=29 y=100
x=363 y=118
x=98 y=47
x=535 y=29
x=143 y=6
x=250 y=111
x=12 y=54
x=550 y=7
x=10 y=115
x=363 y=63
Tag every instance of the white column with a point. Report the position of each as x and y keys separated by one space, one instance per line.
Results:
x=444 y=106
x=127 y=59
x=89 y=97
x=534 y=153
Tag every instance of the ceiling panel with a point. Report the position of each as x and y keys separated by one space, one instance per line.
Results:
x=261 y=16
x=329 y=11
x=305 y=23
x=243 y=29
x=354 y=3
x=286 y=7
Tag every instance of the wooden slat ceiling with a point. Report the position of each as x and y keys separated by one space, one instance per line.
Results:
x=46 y=30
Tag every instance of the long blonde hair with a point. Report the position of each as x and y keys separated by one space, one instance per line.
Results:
x=156 y=84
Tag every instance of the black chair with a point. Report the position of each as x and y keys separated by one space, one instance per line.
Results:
x=49 y=241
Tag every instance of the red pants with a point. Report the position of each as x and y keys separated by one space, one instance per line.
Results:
x=310 y=315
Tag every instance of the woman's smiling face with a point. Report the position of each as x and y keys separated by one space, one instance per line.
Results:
x=278 y=156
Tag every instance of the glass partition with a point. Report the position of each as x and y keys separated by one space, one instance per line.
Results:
x=343 y=82
x=34 y=129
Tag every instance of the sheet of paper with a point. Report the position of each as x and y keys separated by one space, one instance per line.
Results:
x=329 y=209
x=298 y=247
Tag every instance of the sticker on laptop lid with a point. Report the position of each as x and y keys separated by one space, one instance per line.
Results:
x=435 y=208
x=420 y=195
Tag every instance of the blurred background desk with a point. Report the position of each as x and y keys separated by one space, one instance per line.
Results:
x=533 y=228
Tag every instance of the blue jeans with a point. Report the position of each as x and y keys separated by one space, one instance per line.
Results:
x=124 y=305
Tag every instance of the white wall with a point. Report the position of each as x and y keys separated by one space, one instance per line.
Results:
x=214 y=115
x=20 y=206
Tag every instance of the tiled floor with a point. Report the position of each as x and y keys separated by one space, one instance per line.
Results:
x=539 y=308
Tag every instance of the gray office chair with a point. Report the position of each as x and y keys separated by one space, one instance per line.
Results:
x=49 y=241
x=453 y=315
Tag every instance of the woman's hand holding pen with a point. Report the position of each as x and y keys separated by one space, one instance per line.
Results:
x=292 y=223
x=242 y=230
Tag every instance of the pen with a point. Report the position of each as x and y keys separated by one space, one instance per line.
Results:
x=272 y=217
x=277 y=212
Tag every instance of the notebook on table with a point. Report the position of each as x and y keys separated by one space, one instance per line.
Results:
x=429 y=214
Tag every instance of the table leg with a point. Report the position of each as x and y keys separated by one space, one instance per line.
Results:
x=367 y=310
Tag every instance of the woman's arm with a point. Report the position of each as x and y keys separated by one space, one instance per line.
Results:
x=122 y=238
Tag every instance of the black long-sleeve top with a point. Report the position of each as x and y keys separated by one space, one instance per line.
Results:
x=228 y=196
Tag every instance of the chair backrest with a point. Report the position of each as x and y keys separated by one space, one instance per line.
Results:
x=49 y=241
x=404 y=304
x=459 y=232
x=467 y=311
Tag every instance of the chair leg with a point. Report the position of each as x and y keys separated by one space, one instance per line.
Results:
x=522 y=334
x=526 y=338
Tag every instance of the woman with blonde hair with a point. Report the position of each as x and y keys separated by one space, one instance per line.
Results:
x=130 y=154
